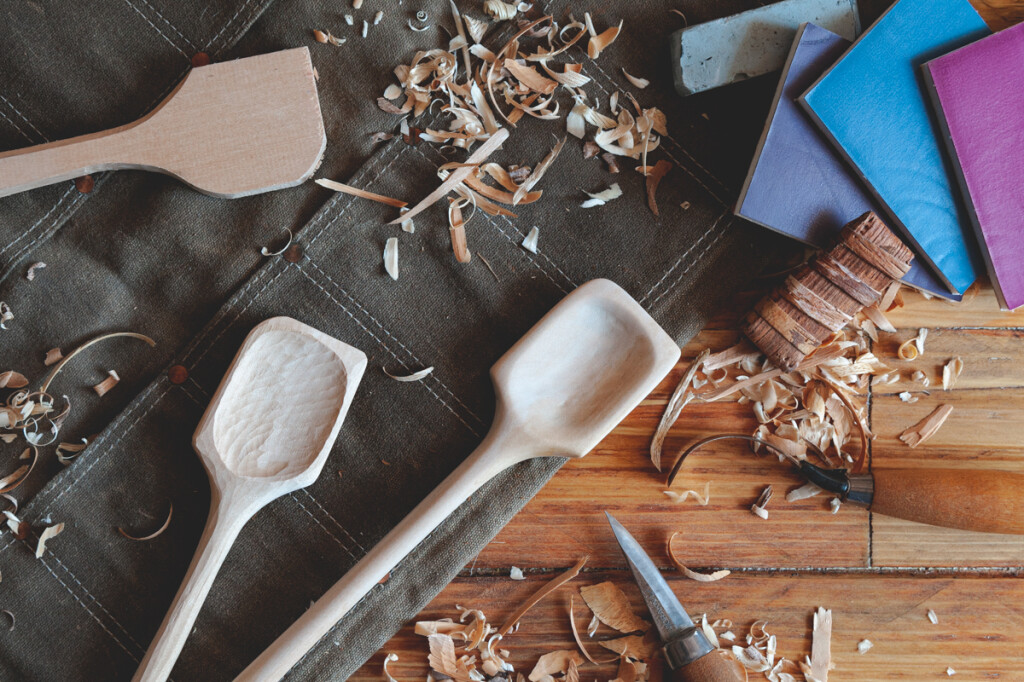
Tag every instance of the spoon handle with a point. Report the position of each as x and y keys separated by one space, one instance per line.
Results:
x=46 y=164
x=497 y=452
x=222 y=528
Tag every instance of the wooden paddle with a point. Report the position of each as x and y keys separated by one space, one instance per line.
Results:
x=229 y=130
x=560 y=390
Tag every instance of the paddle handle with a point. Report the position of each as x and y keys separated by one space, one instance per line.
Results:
x=711 y=667
x=46 y=164
x=225 y=521
x=978 y=500
x=497 y=452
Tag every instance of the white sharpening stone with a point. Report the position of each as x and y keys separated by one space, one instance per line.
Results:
x=731 y=49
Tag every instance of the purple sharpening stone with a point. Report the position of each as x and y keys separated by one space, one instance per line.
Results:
x=978 y=92
x=798 y=184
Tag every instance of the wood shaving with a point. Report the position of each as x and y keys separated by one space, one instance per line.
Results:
x=835 y=503
x=387 y=674
x=702 y=499
x=499 y=11
x=377 y=17
x=635 y=646
x=540 y=594
x=457 y=229
x=516 y=573
x=30 y=274
x=357 y=4
x=821 y=645
x=612 y=607
x=6 y=314
x=267 y=252
x=155 y=534
x=443 y=660
x=933 y=617
x=908 y=397
x=927 y=427
x=949 y=671
x=538 y=172
x=553 y=663
x=361 y=193
x=681 y=396
x=654 y=177
x=693 y=575
x=12 y=379
x=864 y=645
x=572 y=671
x=758 y=508
x=600 y=42
x=48 y=534
x=951 y=372
x=530 y=241
x=107 y=384
x=15 y=479
x=349 y=19
x=613 y=163
x=328 y=39
x=921 y=378
x=415 y=376
x=913 y=348
x=603 y=197
x=751 y=658
x=53 y=355
x=640 y=83
x=391 y=257
x=366 y=29
x=591 y=629
x=803 y=492
x=68 y=452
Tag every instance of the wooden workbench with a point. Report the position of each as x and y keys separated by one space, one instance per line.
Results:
x=879 y=576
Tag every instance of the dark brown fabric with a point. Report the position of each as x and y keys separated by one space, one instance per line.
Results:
x=143 y=253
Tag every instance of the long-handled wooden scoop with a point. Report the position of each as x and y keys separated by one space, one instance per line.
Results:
x=267 y=432
x=560 y=390
x=230 y=130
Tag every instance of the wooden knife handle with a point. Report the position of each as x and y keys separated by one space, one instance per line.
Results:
x=712 y=667
x=980 y=500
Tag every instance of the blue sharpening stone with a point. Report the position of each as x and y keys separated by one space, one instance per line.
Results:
x=873 y=107
x=751 y=43
x=798 y=184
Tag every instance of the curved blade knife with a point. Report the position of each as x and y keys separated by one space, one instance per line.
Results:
x=689 y=654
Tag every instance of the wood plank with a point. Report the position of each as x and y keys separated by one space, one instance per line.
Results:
x=976 y=633
x=981 y=311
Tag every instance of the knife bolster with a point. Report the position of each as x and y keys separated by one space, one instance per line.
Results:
x=862 y=489
x=687 y=648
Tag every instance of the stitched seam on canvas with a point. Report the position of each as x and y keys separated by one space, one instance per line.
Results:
x=680 y=259
x=695 y=260
x=412 y=355
x=679 y=146
x=526 y=254
x=168 y=23
x=157 y=29
x=17 y=128
x=87 y=610
x=383 y=345
x=38 y=222
x=246 y=22
x=27 y=122
x=328 y=515
x=325 y=529
x=223 y=28
x=188 y=394
x=94 y=599
x=47 y=232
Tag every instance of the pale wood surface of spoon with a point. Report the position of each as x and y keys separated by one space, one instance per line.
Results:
x=267 y=432
x=560 y=390
x=229 y=130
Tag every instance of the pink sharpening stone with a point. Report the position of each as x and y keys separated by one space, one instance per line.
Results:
x=978 y=91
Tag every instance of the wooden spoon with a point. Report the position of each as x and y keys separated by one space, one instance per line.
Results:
x=560 y=390
x=229 y=130
x=266 y=433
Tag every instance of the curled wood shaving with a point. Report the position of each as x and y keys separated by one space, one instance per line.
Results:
x=640 y=83
x=751 y=658
x=30 y=274
x=516 y=573
x=267 y=252
x=654 y=177
x=361 y=193
x=68 y=452
x=591 y=629
x=391 y=257
x=107 y=384
x=603 y=197
x=154 y=534
x=328 y=39
x=457 y=229
x=611 y=606
x=951 y=372
x=911 y=349
x=553 y=663
x=530 y=241
x=540 y=594
x=693 y=575
x=679 y=399
x=538 y=172
x=927 y=427
x=443 y=660
x=758 y=508
x=15 y=479
x=933 y=617
x=6 y=314
x=803 y=492
x=499 y=11
x=48 y=534
x=60 y=365
x=12 y=379
x=415 y=376
x=640 y=647
x=387 y=674
x=835 y=503
x=702 y=500
x=908 y=397
x=821 y=645
x=52 y=356
x=600 y=42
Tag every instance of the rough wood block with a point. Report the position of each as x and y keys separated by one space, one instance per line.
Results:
x=772 y=343
x=793 y=324
x=873 y=241
x=975 y=634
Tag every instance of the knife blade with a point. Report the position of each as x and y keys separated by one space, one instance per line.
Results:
x=686 y=647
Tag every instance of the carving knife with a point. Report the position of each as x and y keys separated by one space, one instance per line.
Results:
x=688 y=653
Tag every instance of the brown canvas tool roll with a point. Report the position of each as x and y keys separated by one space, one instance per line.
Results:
x=142 y=252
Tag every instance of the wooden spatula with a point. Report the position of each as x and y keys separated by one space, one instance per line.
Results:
x=228 y=130
x=267 y=432
x=560 y=390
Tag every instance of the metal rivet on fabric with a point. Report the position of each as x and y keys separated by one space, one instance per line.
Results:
x=85 y=184
x=177 y=374
x=293 y=254
x=200 y=59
